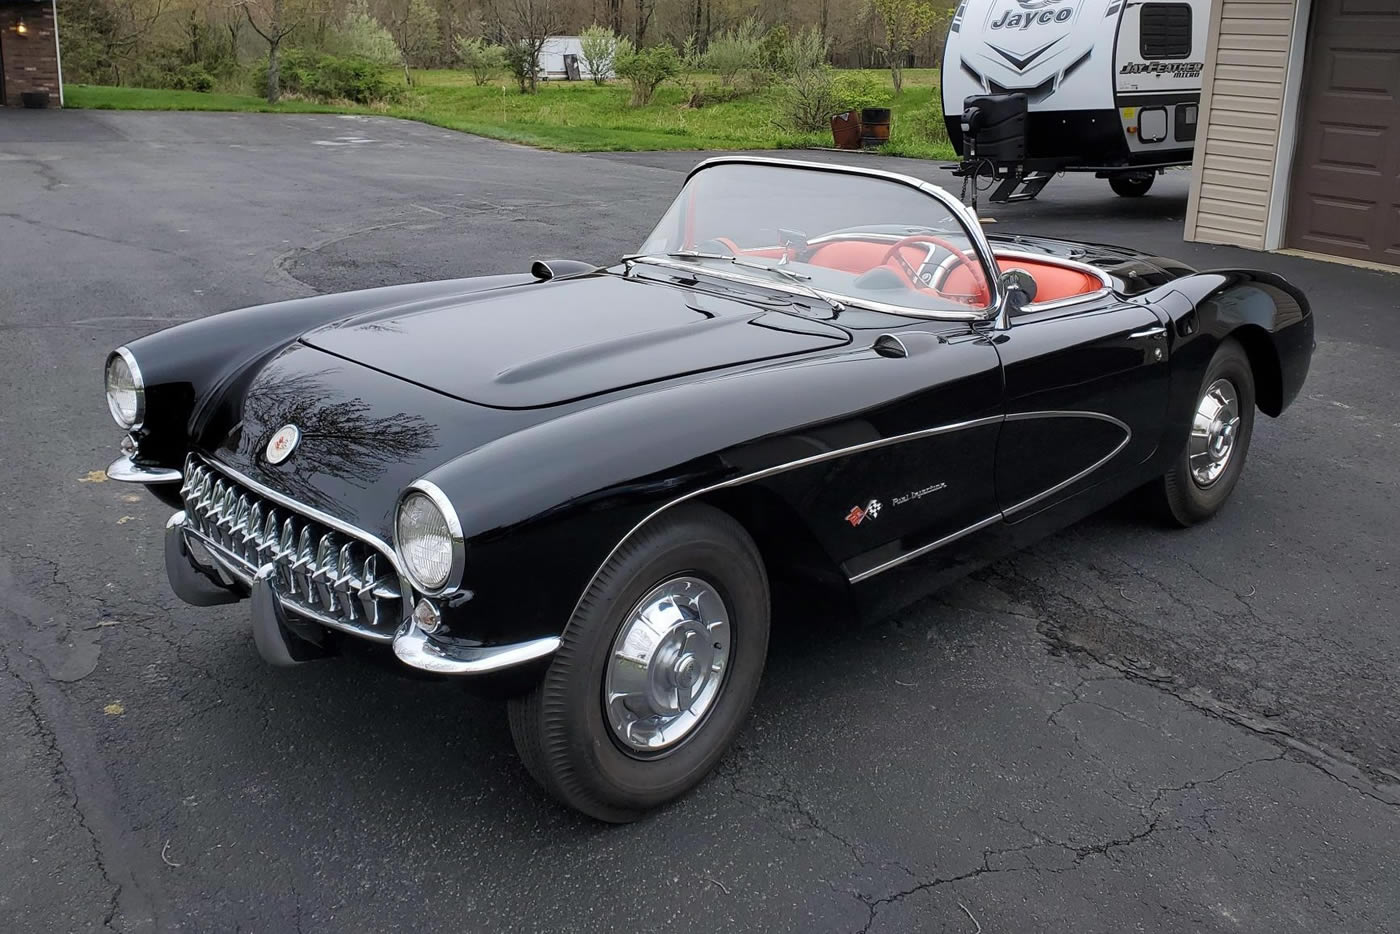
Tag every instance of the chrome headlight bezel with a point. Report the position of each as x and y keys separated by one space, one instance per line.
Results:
x=138 y=418
x=455 y=540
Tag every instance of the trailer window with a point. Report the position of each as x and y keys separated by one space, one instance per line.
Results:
x=1165 y=30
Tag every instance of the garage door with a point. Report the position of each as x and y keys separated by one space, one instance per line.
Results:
x=1345 y=196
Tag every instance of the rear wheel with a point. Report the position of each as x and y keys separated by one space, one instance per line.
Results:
x=1217 y=442
x=656 y=672
x=1132 y=185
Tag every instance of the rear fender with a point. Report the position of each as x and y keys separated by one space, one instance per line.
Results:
x=1269 y=316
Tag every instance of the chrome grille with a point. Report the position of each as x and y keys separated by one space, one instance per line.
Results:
x=318 y=572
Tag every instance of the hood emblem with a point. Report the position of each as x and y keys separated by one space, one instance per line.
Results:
x=283 y=443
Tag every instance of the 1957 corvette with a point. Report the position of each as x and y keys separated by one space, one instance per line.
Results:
x=579 y=482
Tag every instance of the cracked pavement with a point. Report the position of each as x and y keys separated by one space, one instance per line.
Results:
x=1121 y=729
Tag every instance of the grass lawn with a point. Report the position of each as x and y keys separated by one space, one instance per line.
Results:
x=574 y=116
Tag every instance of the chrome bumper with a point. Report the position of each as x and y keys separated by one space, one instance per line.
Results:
x=126 y=470
x=206 y=568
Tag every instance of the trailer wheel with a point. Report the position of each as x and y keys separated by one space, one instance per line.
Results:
x=1134 y=185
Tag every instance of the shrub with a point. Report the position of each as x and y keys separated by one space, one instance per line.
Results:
x=775 y=51
x=520 y=64
x=808 y=49
x=927 y=124
x=480 y=57
x=857 y=90
x=646 y=69
x=327 y=77
x=600 y=51
x=736 y=53
x=191 y=78
x=809 y=96
x=360 y=35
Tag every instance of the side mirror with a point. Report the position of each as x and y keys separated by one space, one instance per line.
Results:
x=1017 y=291
x=792 y=239
x=1019 y=287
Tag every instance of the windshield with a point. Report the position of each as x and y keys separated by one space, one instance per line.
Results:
x=855 y=237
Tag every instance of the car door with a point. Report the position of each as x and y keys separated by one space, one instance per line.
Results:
x=1086 y=399
x=898 y=480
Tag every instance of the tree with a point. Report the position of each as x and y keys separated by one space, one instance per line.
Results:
x=644 y=10
x=905 y=22
x=275 y=20
x=600 y=48
x=481 y=58
x=528 y=24
x=413 y=24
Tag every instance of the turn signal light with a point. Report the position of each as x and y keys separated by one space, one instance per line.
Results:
x=427 y=616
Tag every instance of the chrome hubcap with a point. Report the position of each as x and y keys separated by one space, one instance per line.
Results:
x=667 y=665
x=1214 y=432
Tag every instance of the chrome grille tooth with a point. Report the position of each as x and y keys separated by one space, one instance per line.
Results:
x=252 y=541
x=214 y=506
x=286 y=554
x=366 y=591
x=267 y=548
x=238 y=523
x=345 y=581
x=303 y=566
x=324 y=571
x=194 y=503
x=227 y=503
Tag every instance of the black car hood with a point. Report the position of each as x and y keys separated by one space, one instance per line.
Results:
x=541 y=345
x=364 y=435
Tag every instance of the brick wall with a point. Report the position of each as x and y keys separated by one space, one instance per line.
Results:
x=30 y=62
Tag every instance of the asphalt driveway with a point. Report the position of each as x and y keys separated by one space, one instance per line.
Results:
x=1122 y=729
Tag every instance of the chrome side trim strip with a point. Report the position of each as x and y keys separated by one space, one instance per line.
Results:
x=383 y=547
x=883 y=442
x=1023 y=416
x=125 y=470
x=925 y=549
x=783 y=468
x=414 y=648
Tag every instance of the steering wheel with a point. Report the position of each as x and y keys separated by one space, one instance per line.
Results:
x=980 y=294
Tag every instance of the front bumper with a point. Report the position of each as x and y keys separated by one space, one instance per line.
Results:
x=305 y=572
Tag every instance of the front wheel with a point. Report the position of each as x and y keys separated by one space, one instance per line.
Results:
x=1210 y=463
x=656 y=672
x=1133 y=185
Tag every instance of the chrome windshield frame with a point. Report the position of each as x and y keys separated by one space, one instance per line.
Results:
x=961 y=213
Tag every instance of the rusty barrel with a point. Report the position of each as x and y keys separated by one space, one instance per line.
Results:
x=874 y=127
x=845 y=130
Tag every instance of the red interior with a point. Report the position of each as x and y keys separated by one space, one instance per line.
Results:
x=1052 y=280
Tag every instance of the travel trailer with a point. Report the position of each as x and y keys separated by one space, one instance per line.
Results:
x=1036 y=87
x=561 y=59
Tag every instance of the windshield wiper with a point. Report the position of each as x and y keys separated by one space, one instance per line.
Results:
x=791 y=275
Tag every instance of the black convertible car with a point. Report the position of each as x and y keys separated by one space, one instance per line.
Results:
x=577 y=484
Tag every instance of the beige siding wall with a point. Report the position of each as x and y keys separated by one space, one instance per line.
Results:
x=1237 y=139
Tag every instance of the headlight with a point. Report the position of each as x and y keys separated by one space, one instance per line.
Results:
x=126 y=394
x=429 y=538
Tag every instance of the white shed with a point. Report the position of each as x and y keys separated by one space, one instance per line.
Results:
x=561 y=59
